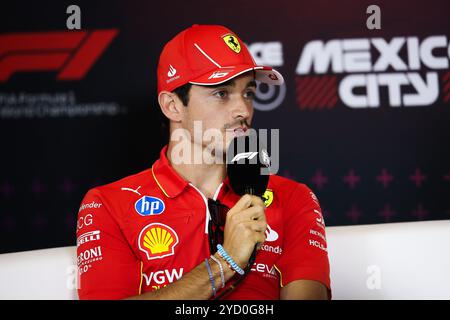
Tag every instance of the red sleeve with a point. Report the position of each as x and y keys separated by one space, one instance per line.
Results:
x=108 y=268
x=305 y=248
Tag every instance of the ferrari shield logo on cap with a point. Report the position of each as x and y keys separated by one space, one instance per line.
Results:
x=232 y=42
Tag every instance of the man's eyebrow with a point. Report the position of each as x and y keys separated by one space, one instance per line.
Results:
x=229 y=83
x=232 y=83
x=251 y=84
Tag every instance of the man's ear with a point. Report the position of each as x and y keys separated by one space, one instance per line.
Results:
x=170 y=105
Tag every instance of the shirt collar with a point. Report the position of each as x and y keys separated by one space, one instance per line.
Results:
x=172 y=184
x=168 y=180
x=227 y=195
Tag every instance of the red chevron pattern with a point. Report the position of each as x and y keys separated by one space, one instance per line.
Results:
x=446 y=87
x=316 y=92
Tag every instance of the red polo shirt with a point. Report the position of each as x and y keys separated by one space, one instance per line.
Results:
x=148 y=230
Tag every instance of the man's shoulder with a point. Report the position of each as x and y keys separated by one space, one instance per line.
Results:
x=287 y=185
x=290 y=191
x=132 y=183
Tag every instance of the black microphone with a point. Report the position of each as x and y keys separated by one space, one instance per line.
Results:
x=248 y=166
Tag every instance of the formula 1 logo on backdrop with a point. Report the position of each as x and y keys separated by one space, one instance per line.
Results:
x=361 y=72
x=268 y=97
x=71 y=53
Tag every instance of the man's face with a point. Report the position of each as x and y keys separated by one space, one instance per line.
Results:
x=225 y=107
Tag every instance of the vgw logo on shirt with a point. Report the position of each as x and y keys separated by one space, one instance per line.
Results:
x=147 y=206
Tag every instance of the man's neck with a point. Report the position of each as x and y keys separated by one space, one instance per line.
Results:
x=206 y=177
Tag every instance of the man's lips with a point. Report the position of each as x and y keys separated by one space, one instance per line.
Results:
x=239 y=131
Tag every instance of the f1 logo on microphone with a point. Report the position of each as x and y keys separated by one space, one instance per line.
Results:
x=244 y=155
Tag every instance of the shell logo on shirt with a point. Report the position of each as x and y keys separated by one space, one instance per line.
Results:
x=157 y=241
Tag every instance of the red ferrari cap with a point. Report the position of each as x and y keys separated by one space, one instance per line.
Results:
x=208 y=55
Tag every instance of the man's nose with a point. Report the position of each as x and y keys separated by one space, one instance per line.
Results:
x=241 y=108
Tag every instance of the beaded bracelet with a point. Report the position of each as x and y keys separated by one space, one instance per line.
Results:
x=211 y=278
x=226 y=262
x=230 y=260
x=222 y=276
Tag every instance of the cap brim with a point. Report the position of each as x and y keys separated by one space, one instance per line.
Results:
x=220 y=75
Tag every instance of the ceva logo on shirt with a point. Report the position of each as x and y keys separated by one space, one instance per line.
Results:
x=147 y=206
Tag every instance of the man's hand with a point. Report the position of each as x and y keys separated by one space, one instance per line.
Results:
x=245 y=226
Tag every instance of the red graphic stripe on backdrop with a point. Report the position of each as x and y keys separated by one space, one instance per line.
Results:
x=318 y=101
x=40 y=41
x=87 y=54
x=31 y=62
x=311 y=94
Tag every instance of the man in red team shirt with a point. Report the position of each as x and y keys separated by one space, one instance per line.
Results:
x=146 y=235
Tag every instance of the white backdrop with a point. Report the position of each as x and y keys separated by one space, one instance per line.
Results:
x=386 y=261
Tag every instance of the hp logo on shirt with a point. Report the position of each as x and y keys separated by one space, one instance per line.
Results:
x=147 y=206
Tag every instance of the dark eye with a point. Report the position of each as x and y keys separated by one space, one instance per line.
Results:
x=221 y=94
x=250 y=95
